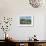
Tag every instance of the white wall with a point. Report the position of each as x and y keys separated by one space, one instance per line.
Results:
x=45 y=28
x=19 y=7
x=13 y=8
x=23 y=33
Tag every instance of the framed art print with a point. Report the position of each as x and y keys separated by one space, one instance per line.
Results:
x=26 y=20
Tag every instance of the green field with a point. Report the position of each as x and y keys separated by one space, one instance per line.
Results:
x=25 y=21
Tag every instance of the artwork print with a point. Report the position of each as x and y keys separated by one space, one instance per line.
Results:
x=26 y=20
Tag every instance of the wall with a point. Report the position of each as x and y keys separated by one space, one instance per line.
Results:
x=21 y=7
x=13 y=8
x=45 y=29
x=23 y=33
